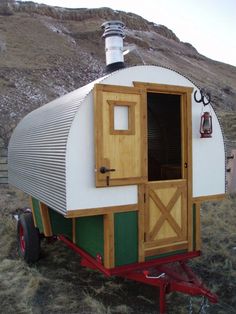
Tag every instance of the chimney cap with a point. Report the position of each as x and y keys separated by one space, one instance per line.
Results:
x=113 y=28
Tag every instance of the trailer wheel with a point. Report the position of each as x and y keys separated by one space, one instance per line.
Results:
x=28 y=238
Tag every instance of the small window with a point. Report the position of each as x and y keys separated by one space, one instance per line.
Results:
x=121 y=117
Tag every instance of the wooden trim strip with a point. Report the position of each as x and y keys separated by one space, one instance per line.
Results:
x=109 y=242
x=198 y=227
x=117 y=89
x=124 y=181
x=216 y=197
x=100 y=211
x=147 y=223
x=141 y=223
x=171 y=89
x=45 y=220
x=162 y=242
x=32 y=210
x=98 y=130
x=168 y=183
x=184 y=211
x=188 y=154
x=166 y=249
x=144 y=136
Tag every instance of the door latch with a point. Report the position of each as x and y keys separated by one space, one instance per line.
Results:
x=105 y=169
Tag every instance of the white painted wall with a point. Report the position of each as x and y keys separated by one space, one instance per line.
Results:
x=208 y=154
x=80 y=173
x=208 y=157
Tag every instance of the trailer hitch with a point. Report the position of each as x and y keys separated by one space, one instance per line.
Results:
x=172 y=277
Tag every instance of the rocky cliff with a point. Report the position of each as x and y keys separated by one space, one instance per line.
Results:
x=46 y=52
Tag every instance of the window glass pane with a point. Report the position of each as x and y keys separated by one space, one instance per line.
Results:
x=121 y=118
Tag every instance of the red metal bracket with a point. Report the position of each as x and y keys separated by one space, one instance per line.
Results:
x=87 y=260
x=168 y=274
x=171 y=277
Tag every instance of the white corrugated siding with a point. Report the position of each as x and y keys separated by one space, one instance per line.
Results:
x=37 y=149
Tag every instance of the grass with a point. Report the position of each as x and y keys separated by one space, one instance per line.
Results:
x=58 y=284
x=218 y=263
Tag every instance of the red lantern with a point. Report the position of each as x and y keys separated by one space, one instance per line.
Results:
x=206 y=125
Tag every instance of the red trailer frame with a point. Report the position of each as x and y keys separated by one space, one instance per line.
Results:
x=168 y=274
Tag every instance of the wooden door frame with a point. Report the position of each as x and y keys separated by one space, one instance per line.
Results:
x=186 y=126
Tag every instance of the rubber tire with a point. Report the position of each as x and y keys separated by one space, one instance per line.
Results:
x=31 y=239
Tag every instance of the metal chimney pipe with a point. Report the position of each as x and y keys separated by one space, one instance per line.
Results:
x=114 y=35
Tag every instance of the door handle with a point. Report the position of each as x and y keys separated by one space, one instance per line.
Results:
x=105 y=169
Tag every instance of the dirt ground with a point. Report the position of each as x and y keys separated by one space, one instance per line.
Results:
x=57 y=284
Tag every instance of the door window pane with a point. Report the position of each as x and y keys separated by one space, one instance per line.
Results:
x=121 y=118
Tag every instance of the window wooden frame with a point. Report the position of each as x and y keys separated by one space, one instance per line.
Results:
x=131 y=117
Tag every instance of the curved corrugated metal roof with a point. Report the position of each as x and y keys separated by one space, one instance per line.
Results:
x=37 y=149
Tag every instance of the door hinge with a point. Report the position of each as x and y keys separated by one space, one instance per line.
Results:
x=145 y=236
x=144 y=197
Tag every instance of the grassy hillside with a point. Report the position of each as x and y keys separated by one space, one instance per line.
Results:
x=46 y=52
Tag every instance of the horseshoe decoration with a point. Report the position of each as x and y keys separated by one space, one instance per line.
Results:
x=204 y=98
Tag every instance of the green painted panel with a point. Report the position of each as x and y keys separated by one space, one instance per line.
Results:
x=90 y=235
x=149 y=258
x=126 y=238
x=37 y=214
x=60 y=224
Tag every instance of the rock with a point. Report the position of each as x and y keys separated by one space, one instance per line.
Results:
x=48 y=51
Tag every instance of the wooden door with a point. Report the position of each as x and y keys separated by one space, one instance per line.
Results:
x=119 y=135
x=166 y=217
x=167 y=212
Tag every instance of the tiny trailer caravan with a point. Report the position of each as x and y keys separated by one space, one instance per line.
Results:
x=117 y=169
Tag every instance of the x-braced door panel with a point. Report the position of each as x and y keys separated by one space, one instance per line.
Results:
x=166 y=216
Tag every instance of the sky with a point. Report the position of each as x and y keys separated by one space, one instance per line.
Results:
x=209 y=25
